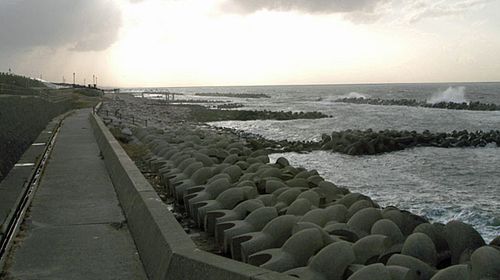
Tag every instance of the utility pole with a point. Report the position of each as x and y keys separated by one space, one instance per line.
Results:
x=74 y=76
x=95 y=85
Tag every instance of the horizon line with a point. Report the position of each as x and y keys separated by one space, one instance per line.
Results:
x=318 y=84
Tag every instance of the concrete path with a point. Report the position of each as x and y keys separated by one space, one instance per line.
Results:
x=75 y=228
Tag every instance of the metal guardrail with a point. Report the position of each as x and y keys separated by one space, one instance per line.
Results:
x=131 y=119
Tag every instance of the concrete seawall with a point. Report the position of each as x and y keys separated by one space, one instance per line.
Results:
x=17 y=182
x=165 y=249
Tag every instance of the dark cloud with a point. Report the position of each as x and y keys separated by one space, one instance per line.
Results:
x=309 y=6
x=421 y=9
x=81 y=25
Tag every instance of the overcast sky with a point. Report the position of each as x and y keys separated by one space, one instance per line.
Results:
x=251 y=42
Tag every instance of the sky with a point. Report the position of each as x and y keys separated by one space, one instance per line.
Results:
x=148 y=43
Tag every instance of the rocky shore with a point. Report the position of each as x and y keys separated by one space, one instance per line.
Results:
x=473 y=106
x=291 y=220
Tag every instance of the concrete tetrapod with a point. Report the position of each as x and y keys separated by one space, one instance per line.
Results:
x=294 y=253
x=273 y=185
x=273 y=235
x=239 y=212
x=420 y=246
x=330 y=192
x=376 y=271
x=299 y=207
x=255 y=221
x=204 y=192
x=186 y=174
x=454 y=272
x=226 y=200
x=342 y=229
x=388 y=228
x=463 y=239
x=350 y=198
x=423 y=270
x=436 y=233
x=401 y=273
x=364 y=219
x=358 y=205
x=168 y=173
x=329 y=263
x=485 y=263
x=369 y=248
x=199 y=177
x=287 y=197
x=174 y=161
x=327 y=239
x=405 y=220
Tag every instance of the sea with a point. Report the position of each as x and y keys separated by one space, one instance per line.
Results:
x=441 y=184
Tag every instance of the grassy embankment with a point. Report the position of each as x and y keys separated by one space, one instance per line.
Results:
x=26 y=106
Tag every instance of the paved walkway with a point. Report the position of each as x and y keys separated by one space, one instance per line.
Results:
x=75 y=228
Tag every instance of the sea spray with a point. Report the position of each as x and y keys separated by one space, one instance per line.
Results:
x=451 y=94
x=351 y=94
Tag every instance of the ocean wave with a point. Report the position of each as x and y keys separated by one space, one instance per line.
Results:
x=451 y=94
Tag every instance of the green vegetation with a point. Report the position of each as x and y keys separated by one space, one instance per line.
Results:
x=25 y=111
x=19 y=81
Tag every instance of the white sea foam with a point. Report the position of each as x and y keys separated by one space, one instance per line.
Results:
x=451 y=94
x=354 y=94
x=351 y=94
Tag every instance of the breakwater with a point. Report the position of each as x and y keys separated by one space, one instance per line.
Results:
x=233 y=95
x=203 y=114
x=370 y=142
x=473 y=106
x=291 y=220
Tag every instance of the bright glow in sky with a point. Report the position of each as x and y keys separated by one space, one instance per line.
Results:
x=209 y=42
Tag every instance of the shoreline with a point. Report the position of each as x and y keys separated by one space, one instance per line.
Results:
x=178 y=127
